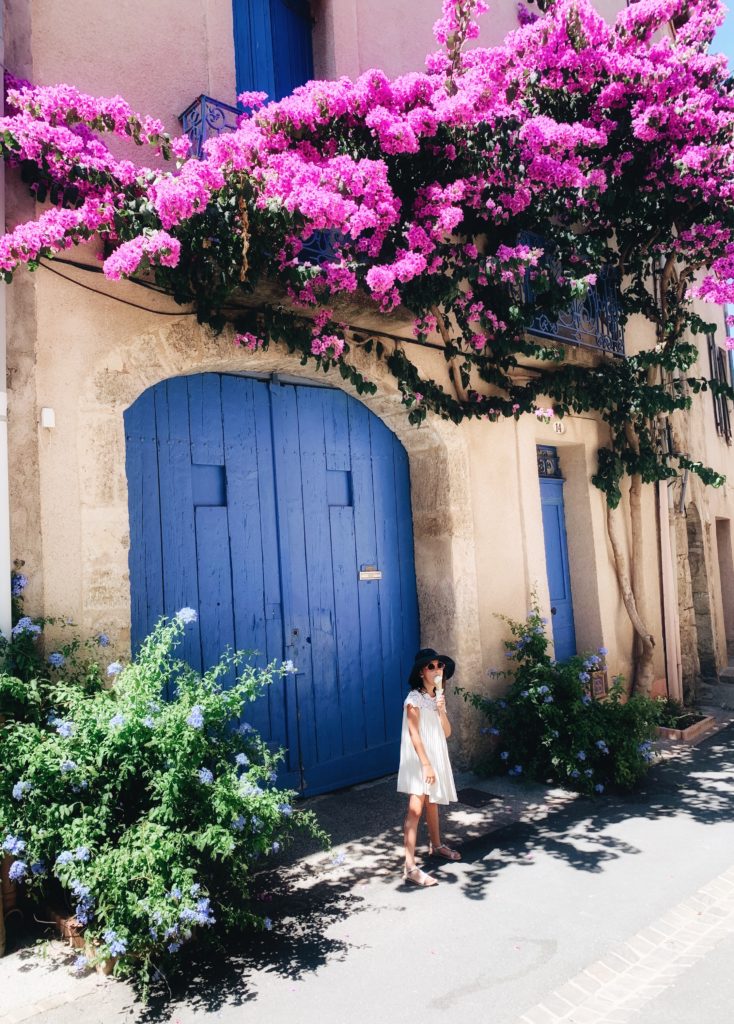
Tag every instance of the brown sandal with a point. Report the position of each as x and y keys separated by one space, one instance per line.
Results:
x=443 y=851
x=418 y=877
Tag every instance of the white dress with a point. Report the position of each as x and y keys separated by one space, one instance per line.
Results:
x=410 y=773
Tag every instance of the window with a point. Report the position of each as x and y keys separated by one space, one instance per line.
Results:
x=273 y=51
x=720 y=371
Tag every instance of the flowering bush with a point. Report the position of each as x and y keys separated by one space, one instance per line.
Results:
x=548 y=727
x=612 y=143
x=146 y=817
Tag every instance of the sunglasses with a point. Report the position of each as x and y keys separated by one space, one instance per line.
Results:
x=435 y=664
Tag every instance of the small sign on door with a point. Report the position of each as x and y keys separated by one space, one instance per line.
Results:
x=369 y=572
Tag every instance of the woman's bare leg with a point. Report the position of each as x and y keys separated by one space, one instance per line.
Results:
x=434 y=827
x=410 y=828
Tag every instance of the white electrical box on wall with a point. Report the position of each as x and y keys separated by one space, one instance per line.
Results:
x=48 y=418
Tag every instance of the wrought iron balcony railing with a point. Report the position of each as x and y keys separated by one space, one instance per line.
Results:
x=206 y=117
x=592 y=321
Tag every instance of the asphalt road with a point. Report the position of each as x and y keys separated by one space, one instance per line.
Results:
x=530 y=907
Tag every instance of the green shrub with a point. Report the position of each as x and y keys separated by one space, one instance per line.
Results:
x=548 y=727
x=145 y=817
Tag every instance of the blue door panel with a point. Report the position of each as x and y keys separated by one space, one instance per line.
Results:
x=258 y=504
x=273 y=46
x=556 y=559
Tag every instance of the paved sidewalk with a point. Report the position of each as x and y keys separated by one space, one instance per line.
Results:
x=568 y=910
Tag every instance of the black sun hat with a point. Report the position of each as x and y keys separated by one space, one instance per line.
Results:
x=423 y=657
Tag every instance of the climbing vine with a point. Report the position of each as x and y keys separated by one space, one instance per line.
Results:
x=497 y=185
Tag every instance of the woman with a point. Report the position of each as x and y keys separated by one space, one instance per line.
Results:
x=425 y=769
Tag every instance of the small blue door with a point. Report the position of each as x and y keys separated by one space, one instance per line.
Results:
x=556 y=560
x=273 y=48
x=263 y=505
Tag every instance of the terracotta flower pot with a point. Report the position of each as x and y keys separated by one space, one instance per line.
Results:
x=69 y=928
x=690 y=733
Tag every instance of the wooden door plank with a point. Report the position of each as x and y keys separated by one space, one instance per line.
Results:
x=406 y=555
x=180 y=584
x=314 y=405
x=372 y=668
x=346 y=599
x=215 y=586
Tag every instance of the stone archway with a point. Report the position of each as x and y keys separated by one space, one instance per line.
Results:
x=442 y=520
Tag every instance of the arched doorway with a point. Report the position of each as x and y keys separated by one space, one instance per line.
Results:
x=282 y=513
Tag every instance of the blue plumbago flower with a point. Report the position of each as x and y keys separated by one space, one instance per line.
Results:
x=204 y=914
x=13 y=845
x=80 y=964
x=548 y=699
x=599 y=787
x=25 y=625
x=171 y=932
x=77 y=787
x=186 y=615
x=525 y=693
x=581 y=755
x=272 y=776
x=585 y=698
x=196 y=717
x=275 y=847
x=18 y=584
x=248 y=789
x=173 y=947
x=65 y=857
x=555 y=734
x=589 y=772
x=65 y=729
x=84 y=910
x=114 y=668
x=602 y=745
x=588 y=664
x=117 y=946
x=18 y=871
x=268 y=924
x=103 y=640
x=245 y=728
x=206 y=776
x=238 y=823
x=195 y=889
x=242 y=759
x=584 y=677
x=117 y=721
x=38 y=867
x=81 y=853
x=148 y=721
x=285 y=809
x=505 y=754
x=288 y=666
x=516 y=770
x=493 y=730
x=154 y=707
x=484 y=731
x=256 y=823
x=20 y=789
x=575 y=773
x=338 y=858
x=595 y=660
x=603 y=651
x=175 y=893
x=67 y=766
x=56 y=659
x=502 y=703
x=543 y=689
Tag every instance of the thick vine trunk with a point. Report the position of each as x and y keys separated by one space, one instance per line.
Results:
x=645 y=641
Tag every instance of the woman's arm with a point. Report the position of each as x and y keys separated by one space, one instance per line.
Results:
x=443 y=717
x=414 y=717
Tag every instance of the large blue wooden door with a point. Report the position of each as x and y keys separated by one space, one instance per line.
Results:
x=260 y=504
x=556 y=560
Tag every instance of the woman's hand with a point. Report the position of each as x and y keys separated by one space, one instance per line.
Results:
x=441 y=703
x=429 y=776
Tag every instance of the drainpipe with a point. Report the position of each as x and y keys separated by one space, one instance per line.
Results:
x=5 y=615
x=671 y=621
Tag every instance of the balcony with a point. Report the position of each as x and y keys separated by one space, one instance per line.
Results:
x=206 y=117
x=591 y=322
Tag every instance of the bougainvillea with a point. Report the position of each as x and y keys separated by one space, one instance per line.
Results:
x=576 y=148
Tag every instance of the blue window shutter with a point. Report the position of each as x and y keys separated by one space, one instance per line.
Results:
x=253 y=46
x=273 y=48
x=292 y=46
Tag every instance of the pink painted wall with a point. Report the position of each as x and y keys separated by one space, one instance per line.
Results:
x=352 y=36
